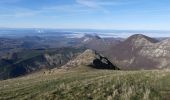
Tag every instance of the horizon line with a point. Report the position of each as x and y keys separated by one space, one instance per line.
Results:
x=85 y=29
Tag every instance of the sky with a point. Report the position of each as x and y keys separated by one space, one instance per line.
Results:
x=86 y=14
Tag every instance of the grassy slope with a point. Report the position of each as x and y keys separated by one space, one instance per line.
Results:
x=94 y=84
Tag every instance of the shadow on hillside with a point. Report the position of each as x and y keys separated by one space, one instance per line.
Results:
x=103 y=63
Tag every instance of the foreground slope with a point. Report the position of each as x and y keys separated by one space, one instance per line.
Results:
x=92 y=84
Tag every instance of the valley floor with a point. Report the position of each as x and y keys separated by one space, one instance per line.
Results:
x=85 y=85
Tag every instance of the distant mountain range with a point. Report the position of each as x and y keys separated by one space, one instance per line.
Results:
x=24 y=55
x=21 y=32
x=9 y=45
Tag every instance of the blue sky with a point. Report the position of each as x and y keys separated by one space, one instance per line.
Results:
x=86 y=14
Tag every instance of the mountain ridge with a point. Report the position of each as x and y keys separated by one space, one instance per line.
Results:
x=92 y=59
x=141 y=52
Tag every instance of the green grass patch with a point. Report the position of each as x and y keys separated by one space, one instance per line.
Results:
x=89 y=85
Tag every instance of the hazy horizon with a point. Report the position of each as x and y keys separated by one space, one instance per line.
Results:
x=79 y=32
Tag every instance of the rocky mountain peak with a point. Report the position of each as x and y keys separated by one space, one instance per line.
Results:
x=92 y=59
x=138 y=37
x=141 y=52
x=140 y=40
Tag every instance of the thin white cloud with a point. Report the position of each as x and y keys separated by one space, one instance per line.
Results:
x=88 y=3
x=79 y=7
x=66 y=9
x=99 y=3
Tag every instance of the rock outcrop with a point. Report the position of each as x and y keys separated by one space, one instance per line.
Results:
x=92 y=59
x=141 y=52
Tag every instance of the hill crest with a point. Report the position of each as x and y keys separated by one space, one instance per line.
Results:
x=92 y=59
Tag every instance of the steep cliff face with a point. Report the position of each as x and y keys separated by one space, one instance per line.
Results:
x=159 y=52
x=91 y=59
x=141 y=52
